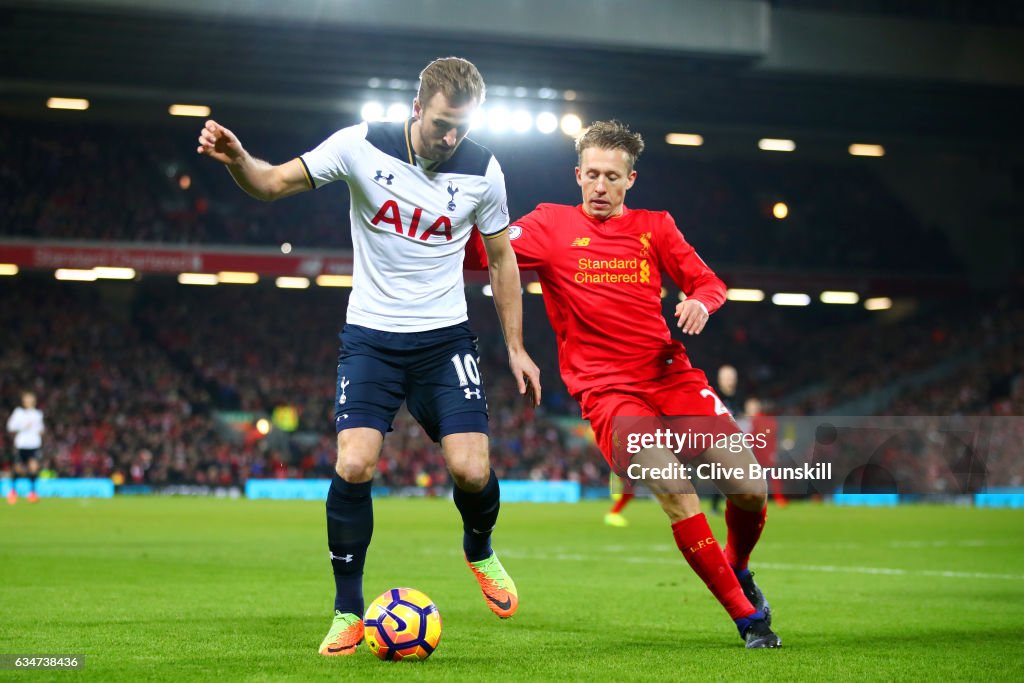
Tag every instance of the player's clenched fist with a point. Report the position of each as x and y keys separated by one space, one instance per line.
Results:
x=217 y=142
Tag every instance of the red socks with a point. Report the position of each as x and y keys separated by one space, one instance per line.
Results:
x=701 y=550
x=621 y=503
x=744 y=530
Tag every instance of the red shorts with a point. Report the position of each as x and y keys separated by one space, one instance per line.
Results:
x=641 y=407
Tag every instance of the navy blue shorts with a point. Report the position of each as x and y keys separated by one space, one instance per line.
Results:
x=27 y=454
x=435 y=372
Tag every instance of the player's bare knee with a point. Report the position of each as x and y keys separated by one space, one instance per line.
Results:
x=751 y=502
x=352 y=466
x=470 y=474
x=678 y=506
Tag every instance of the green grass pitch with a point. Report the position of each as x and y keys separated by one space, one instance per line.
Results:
x=186 y=589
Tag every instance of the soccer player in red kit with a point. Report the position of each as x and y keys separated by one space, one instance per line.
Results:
x=600 y=265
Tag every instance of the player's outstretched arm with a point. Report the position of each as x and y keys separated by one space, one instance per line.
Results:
x=508 y=300
x=259 y=179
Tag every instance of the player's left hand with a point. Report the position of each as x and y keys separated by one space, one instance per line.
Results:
x=692 y=315
x=527 y=375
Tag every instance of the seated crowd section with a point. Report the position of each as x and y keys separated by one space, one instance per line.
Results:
x=58 y=186
x=132 y=376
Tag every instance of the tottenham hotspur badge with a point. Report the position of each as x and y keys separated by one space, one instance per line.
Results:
x=452 y=190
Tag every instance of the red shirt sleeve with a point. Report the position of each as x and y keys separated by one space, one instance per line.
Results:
x=476 y=255
x=528 y=237
x=686 y=268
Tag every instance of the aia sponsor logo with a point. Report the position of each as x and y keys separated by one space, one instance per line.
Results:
x=389 y=214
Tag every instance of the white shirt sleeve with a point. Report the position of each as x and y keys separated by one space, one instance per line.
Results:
x=492 y=212
x=12 y=421
x=332 y=159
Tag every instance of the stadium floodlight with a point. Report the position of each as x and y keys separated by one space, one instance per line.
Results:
x=571 y=124
x=685 y=139
x=8 y=269
x=834 y=297
x=878 y=303
x=286 y=282
x=498 y=119
x=334 y=280
x=114 y=273
x=776 y=145
x=547 y=94
x=864 y=150
x=397 y=111
x=232 y=277
x=487 y=290
x=200 y=110
x=203 y=279
x=546 y=122
x=533 y=288
x=521 y=120
x=73 y=103
x=740 y=294
x=791 y=299
x=780 y=210
x=520 y=91
x=478 y=119
x=75 y=275
x=372 y=111
x=286 y=247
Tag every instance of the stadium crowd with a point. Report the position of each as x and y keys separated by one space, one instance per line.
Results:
x=132 y=378
x=57 y=179
x=135 y=378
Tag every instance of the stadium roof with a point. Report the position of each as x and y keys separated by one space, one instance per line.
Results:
x=779 y=66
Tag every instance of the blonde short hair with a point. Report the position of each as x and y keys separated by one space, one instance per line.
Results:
x=611 y=135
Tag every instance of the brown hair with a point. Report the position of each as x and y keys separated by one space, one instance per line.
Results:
x=454 y=77
x=611 y=135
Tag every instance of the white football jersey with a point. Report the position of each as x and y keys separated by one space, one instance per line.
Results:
x=409 y=225
x=27 y=425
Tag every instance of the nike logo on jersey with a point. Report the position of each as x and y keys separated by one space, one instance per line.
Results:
x=380 y=176
x=581 y=242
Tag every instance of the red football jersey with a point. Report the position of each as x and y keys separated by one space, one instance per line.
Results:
x=602 y=289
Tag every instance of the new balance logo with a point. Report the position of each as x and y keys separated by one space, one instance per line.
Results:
x=380 y=176
x=343 y=558
x=472 y=393
x=581 y=242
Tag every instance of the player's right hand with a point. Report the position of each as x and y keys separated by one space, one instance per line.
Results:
x=217 y=142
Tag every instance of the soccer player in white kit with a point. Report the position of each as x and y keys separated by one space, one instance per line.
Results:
x=26 y=423
x=418 y=187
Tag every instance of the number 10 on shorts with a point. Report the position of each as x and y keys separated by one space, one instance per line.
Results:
x=468 y=372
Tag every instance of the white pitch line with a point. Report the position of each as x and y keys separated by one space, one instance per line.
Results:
x=825 y=568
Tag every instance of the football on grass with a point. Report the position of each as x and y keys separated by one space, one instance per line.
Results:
x=402 y=623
